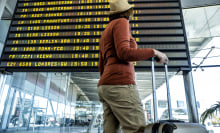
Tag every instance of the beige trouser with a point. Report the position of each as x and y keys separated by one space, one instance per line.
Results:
x=122 y=107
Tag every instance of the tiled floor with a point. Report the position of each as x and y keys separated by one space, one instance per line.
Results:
x=55 y=130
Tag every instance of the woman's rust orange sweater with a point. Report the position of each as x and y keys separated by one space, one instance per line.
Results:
x=118 y=51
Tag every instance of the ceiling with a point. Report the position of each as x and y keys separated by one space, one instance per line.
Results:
x=198 y=3
x=8 y=9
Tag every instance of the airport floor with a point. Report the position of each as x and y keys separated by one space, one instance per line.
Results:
x=56 y=130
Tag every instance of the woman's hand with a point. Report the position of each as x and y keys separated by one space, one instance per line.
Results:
x=161 y=56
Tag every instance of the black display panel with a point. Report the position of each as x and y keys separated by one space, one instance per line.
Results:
x=64 y=35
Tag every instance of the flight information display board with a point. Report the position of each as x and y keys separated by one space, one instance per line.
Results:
x=63 y=35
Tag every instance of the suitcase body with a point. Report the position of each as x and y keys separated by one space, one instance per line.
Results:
x=175 y=127
x=170 y=126
x=181 y=127
x=152 y=128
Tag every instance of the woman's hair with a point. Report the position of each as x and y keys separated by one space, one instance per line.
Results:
x=125 y=14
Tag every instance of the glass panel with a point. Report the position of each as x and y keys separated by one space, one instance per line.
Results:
x=207 y=94
x=19 y=111
x=49 y=116
x=213 y=13
x=40 y=87
x=178 y=100
x=95 y=114
x=72 y=117
x=16 y=109
x=149 y=111
x=212 y=51
x=196 y=28
x=60 y=114
x=55 y=107
x=87 y=112
x=206 y=83
x=67 y=115
x=54 y=92
x=26 y=110
x=38 y=112
x=177 y=95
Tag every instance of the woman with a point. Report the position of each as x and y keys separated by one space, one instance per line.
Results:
x=116 y=88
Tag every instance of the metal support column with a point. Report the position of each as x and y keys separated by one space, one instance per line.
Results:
x=66 y=87
x=46 y=93
x=13 y=92
x=21 y=114
x=54 y=115
x=32 y=103
x=47 y=86
x=190 y=97
x=45 y=120
x=30 y=112
x=7 y=105
x=2 y=83
x=55 y=120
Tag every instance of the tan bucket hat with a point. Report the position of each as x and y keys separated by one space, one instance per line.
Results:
x=117 y=6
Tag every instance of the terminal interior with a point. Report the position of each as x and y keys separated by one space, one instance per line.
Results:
x=35 y=101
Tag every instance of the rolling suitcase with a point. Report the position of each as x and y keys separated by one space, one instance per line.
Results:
x=174 y=126
x=170 y=126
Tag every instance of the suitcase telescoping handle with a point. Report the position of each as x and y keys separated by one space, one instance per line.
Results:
x=168 y=92
x=154 y=90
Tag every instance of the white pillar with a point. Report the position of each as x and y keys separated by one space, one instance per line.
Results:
x=190 y=97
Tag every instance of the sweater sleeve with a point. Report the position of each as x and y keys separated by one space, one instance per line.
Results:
x=121 y=34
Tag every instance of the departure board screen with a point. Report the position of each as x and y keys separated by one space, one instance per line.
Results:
x=64 y=35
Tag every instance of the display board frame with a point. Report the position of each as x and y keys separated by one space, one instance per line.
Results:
x=182 y=62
